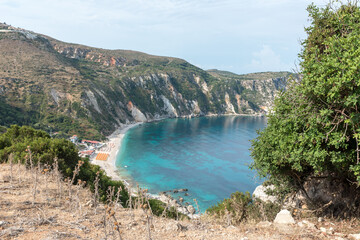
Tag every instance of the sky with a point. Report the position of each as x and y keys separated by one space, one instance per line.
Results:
x=241 y=36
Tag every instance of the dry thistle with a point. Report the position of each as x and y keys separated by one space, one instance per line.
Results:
x=148 y=213
x=30 y=157
x=118 y=194
x=75 y=173
x=19 y=170
x=11 y=159
x=96 y=191
x=115 y=221
x=197 y=206
x=45 y=173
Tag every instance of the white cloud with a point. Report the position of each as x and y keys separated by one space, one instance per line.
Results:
x=266 y=59
x=218 y=33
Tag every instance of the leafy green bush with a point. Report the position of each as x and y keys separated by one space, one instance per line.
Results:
x=17 y=140
x=240 y=207
x=45 y=149
x=314 y=128
x=158 y=208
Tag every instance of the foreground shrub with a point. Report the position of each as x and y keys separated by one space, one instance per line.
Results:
x=314 y=129
x=44 y=149
x=23 y=141
x=241 y=207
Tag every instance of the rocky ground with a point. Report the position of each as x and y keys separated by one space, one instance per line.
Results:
x=50 y=212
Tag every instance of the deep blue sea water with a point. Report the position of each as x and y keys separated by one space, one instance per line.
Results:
x=209 y=156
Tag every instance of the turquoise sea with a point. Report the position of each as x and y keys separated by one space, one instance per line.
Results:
x=208 y=155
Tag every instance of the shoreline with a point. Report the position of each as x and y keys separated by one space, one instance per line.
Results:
x=111 y=170
x=109 y=166
x=115 y=141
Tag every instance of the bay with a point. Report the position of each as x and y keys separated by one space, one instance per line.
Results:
x=210 y=156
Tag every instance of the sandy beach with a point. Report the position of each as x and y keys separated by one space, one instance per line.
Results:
x=113 y=147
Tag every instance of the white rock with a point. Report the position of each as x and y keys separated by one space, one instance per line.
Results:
x=264 y=224
x=339 y=238
x=191 y=209
x=260 y=192
x=171 y=226
x=301 y=224
x=138 y=115
x=93 y=100
x=309 y=224
x=229 y=106
x=322 y=229
x=284 y=217
x=355 y=236
x=2 y=223
x=168 y=107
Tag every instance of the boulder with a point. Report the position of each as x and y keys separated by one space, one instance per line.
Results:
x=284 y=217
x=191 y=209
x=3 y=223
x=297 y=200
x=181 y=227
x=260 y=192
x=264 y=224
x=173 y=203
x=309 y=224
x=354 y=236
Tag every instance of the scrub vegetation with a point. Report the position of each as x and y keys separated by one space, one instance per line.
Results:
x=314 y=128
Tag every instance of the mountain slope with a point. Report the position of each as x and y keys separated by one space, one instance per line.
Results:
x=260 y=89
x=90 y=92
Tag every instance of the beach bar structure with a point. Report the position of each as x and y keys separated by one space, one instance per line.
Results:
x=92 y=143
x=74 y=139
x=87 y=153
x=102 y=156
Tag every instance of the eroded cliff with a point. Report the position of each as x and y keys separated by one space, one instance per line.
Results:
x=78 y=89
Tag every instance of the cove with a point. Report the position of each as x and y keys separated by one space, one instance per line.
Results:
x=210 y=156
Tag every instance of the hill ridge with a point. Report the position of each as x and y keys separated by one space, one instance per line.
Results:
x=75 y=89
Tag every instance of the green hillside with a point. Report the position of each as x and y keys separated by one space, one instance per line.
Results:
x=75 y=89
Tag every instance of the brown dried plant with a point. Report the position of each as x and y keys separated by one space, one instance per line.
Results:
x=70 y=183
x=198 y=209
x=11 y=159
x=96 y=191
x=80 y=184
x=147 y=210
x=57 y=176
x=45 y=173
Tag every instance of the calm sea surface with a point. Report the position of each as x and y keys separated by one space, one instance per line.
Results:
x=209 y=156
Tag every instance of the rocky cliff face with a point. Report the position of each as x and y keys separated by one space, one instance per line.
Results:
x=88 y=91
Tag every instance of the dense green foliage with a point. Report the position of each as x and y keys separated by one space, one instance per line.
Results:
x=44 y=149
x=158 y=207
x=76 y=89
x=242 y=207
x=314 y=128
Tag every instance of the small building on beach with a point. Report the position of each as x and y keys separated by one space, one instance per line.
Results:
x=74 y=139
x=87 y=153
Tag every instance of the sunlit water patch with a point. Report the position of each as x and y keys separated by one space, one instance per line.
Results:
x=209 y=156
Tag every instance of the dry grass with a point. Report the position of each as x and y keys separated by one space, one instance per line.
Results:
x=56 y=214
